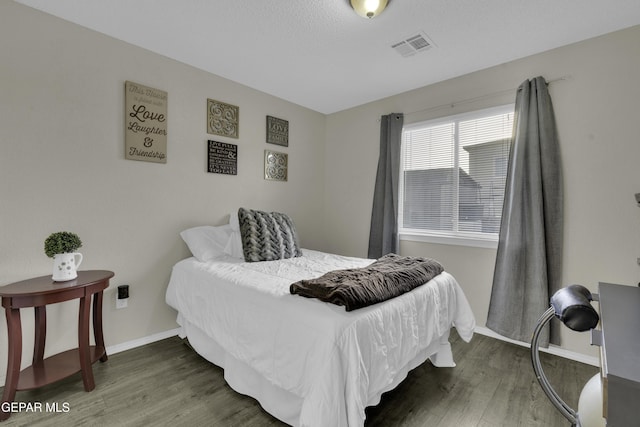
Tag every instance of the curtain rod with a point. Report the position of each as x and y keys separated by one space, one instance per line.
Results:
x=481 y=97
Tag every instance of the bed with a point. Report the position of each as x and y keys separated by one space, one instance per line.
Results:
x=308 y=362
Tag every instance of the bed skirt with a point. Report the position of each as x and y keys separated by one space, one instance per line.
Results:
x=282 y=404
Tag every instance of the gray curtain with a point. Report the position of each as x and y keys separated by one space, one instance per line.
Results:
x=383 y=236
x=529 y=258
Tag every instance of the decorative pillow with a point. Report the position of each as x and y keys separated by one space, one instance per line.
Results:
x=207 y=242
x=267 y=236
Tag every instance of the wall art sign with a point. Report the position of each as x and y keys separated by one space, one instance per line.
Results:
x=275 y=165
x=222 y=119
x=277 y=131
x=145 y=123
x=223 y=158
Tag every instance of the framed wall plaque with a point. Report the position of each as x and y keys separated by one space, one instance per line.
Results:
x=275 y=165
x=145 y=123
x=277 y=131
x=222 y=119
x=222 y=158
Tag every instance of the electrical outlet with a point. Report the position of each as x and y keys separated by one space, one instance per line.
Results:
x=122 y=296
x=121 y=303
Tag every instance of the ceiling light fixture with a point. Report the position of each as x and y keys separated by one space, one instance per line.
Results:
x=368 y=8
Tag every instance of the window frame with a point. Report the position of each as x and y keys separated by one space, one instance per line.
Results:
x=457 y=238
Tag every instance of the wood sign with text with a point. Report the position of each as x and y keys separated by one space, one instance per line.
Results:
x=223 y=158
x=277 y=131
x=145 y=123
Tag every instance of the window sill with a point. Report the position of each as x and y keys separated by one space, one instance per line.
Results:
x=473 y=241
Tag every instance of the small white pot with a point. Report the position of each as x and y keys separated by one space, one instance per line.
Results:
x=65 y=266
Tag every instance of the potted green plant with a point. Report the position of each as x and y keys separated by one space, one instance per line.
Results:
x=62 y=247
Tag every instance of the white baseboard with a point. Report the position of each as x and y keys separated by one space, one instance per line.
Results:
x=553 y=349
x=113 y=349
x=479 y=329
x=128 y=345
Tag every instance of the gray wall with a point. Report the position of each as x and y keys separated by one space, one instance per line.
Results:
x=598 y=116
x=63 y=168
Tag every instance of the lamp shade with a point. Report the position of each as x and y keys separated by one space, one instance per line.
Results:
x=368 y=8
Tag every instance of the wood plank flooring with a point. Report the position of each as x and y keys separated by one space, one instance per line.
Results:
x=168 y=384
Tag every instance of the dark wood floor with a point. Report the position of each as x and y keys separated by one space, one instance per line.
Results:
x=166 y=383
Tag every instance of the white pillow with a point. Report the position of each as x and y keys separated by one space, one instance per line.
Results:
x=234 y=221
x=207 y=242
x=234 y=245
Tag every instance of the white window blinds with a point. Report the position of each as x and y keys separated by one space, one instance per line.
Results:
x=453 y=174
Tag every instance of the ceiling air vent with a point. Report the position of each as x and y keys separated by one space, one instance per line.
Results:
x=412 y=45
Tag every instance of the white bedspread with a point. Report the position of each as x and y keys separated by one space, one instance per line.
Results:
x=337 y=362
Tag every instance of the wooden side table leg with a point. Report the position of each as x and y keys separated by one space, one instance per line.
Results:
x=14 y=328
x=97 y=326
x=83 y=344
x=40 y=335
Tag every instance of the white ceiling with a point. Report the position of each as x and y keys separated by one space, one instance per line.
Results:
x=321 y=55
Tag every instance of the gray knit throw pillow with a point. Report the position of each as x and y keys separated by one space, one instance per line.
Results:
x=267 y=236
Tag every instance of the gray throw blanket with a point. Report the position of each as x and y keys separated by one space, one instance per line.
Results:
x=386 y=278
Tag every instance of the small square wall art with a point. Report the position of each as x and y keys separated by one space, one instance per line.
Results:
x=222 y=158
x=277 y=131
x=275 y=165
x=222 y=119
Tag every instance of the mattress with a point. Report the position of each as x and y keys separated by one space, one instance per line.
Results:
x=311 y=363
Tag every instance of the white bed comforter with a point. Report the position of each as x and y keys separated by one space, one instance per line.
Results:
x=337 y=362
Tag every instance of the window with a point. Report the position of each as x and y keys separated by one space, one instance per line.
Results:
x=453 y=176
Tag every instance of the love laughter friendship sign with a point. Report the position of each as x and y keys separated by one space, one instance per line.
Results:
x=145 y=123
